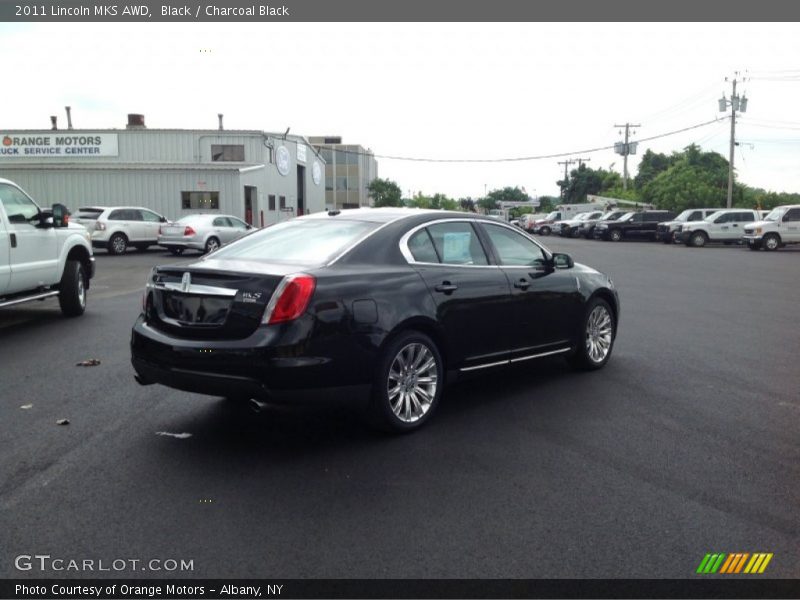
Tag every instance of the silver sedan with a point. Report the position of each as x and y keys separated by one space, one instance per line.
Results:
x=200 y=232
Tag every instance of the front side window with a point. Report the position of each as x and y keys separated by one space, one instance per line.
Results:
x=744 y=216
x=19 y=208
x=457 y=244
x=514 y=249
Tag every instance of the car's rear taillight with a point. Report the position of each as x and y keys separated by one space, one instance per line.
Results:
x=290 y=299
x=188 y=231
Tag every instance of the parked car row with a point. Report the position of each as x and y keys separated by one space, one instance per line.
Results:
x=694 y=227
x=116 y=228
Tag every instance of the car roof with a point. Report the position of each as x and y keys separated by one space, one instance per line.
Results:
x=389 y=214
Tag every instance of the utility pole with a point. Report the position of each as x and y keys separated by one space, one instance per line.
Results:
x=580 y=161
x=625 y=149
x=566 y=164
x=736 y=103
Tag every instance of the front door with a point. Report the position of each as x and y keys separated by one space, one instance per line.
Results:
x=546 y=303
x=33 y=250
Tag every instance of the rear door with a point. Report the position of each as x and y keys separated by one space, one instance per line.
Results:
x=737 y=223
x=33 y=250
x=472 y=296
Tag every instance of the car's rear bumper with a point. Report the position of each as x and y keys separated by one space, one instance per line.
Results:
x=254 y=367
x=183 y=244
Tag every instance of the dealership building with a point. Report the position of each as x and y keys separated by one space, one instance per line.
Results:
x=257 y=176
x=349 y=169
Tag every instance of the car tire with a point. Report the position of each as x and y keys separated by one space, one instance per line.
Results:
x=544 y=231
x=118 y=244
x=410 y=362
x=176 y=251
x=598 y=332
x=698 y=239
x=667 y=240
x=754 y=245
x=72 y=289
x=771 y=242
x=212 y=244
x=575 y=233
x=141 y=247
x=615 y=235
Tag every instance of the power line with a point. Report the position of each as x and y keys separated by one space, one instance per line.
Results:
x=526 y=158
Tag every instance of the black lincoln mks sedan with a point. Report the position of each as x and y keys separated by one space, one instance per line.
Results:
x=382 y=303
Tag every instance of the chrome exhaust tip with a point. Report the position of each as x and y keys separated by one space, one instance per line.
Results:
x=257 y=406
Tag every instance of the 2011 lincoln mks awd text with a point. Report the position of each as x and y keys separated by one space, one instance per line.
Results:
x=380 y=303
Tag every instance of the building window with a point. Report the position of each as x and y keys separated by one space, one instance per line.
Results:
x=200 y=200
x=341 y=183
x=282 y=202
x=227 y=152
x=271 y=201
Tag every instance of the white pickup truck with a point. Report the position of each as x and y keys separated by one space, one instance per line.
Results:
x=42 y=254
x=779 y=227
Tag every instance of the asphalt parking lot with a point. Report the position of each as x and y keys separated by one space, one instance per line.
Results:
x=686 y=443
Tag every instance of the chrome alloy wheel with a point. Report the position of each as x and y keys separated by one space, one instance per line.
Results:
x=81 y=290
x=119 y=244
x=412 y=381
x=598 y=334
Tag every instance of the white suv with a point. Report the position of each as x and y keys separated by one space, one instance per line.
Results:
x=725 y=226
x=779 y=227
x=117 y=227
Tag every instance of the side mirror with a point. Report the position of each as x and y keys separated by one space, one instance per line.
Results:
x=60 y=215
x=163 y=220
x=562 y=261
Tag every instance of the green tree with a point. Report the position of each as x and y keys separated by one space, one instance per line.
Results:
x=693 y=179
x=651 y=165
x=508 y=194
x=488 y=203
x=467 y=204
x=385 y=192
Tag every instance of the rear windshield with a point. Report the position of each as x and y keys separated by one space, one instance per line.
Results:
x=89 y=213
x=300 y=241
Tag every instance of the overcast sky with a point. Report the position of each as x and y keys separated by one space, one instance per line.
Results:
x=446 y=91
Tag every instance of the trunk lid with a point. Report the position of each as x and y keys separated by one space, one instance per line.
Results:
x=203 y=301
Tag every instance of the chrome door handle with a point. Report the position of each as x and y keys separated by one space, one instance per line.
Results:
x=446 y=287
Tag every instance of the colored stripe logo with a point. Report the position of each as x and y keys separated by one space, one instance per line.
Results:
x=732 y=564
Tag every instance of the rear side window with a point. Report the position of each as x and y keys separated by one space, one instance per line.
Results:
x=124 y=214
x=793 y=214
x=457 y=244
x=421 y=247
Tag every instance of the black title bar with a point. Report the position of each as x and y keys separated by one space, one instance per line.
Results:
x=189 y=589
x=397 y=11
